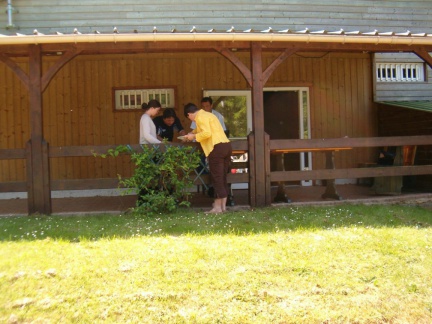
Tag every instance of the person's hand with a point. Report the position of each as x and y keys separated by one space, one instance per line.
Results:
x=190 y=137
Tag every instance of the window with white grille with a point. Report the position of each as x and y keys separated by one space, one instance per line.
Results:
x=400 y=72
x=127 y=99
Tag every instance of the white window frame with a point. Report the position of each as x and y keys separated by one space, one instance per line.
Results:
x=133 y=98
x=400 y=72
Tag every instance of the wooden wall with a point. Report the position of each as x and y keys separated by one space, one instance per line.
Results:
x=78 y=106
x=14 y=121
x=50 y=16
x=402 y=91
x=340 y=99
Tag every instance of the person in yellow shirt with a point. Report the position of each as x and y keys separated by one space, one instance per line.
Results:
x=217 y=148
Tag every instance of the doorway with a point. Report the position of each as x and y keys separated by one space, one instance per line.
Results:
x=286 y=107
x=286 y=116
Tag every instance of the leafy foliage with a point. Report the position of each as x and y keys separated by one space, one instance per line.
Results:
x=161 y=176
x=234 y=109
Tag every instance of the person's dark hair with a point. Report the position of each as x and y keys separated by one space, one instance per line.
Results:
x=190 y=108
x=207 y=99
x=151 y=104
x=168 y=113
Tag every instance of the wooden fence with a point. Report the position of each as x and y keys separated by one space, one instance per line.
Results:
x=241 y=146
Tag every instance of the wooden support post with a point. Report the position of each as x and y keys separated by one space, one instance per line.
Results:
x=330 y=191
x=39 y=192
x=251 y=159
x=268 y=198
x=259 y=176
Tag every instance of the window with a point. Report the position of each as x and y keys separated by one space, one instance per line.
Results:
x=400 y=72
x=236 y=107
x=133 y=98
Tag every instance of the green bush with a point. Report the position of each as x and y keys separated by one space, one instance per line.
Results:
x=161 y=177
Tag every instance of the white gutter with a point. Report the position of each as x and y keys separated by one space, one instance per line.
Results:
x=9 y=12
x=228 y=37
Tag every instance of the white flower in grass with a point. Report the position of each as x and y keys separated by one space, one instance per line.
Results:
x=51 y=272
x=19 y=274
x=125 y=268
x=22 y=302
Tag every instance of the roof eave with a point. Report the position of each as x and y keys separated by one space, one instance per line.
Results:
x=220 y=37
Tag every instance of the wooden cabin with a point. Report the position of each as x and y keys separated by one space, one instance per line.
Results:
x=306 y=71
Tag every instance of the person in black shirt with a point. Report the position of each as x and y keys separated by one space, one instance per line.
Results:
x=167 y=124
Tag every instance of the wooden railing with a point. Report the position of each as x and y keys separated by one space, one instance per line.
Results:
x=316 y=144
x=239 y=147
x=99 y=183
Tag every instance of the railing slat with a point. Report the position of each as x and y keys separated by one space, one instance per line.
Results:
x=350 y=173
x=346 y=142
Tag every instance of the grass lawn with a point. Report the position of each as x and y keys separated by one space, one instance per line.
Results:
x=339 y=264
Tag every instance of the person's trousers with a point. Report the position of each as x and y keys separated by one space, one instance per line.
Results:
x=219 y=163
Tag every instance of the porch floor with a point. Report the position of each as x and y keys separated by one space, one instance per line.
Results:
x=299 y=196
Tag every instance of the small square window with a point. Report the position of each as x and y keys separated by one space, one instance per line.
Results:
x=132 y=98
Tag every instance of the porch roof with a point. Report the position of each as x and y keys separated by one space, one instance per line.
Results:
x=423 y=105
x=231 y=35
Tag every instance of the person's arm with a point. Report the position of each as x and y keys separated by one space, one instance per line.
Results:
x=179 y=126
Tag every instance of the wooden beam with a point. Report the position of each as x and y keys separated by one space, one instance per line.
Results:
x=346 y=142
x=244 y=70
x=16 y=186
x=128 y=47
x=252 y=169
x=267 y=169
x=189 y=46
x=278 y=61
x=259 y=176
x=340 y=47
x=387 y=171
x=16 y=69
x=9 y=154
x=424 y=55
x=39 y=194
x=66 y=57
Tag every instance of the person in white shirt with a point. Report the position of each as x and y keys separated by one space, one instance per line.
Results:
x=207 y=105
x=147 y=127
x=148 y=136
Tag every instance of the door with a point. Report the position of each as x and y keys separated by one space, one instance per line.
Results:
x=286 y=116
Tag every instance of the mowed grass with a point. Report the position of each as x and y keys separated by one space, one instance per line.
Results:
x=341 y=264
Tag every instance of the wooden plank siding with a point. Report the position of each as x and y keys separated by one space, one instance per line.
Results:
x=14 y=122
x=78 y=107
x=402 y=91
x=49 y=16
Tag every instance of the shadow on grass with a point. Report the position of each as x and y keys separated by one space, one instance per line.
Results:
x=186 y=222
